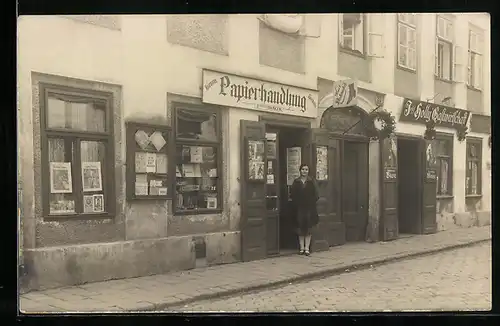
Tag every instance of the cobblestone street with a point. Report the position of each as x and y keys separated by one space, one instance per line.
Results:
x=453 y=280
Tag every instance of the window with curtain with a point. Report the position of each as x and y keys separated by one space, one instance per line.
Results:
x=475 y=60
x=443 y=152
x=407 y=41
x=444 y=48
x=76 y=145
x=473 y=165
x=198 y=186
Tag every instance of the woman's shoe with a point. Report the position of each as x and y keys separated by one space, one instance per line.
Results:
x=301 y=252
x=307 y=253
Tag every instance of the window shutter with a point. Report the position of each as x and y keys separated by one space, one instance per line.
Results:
x=341 y=29
x=478 y=69
x=436 y=57
x=458 y=65
x=469 y=68
x=375 y=38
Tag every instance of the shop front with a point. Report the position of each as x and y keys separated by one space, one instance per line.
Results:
x=423 y=171
x=280 y=127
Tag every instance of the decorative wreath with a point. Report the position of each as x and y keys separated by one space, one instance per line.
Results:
x=462 y=132
x=381 y=124
x=430 y=132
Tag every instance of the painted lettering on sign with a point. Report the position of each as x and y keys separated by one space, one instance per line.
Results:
x=424 y=112
x=345 y=93
x=431 y=175
x=237 y=91
x=390 y=174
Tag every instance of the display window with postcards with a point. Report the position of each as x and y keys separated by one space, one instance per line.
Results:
x=77 y=153
x=147 y=161
x=198 y=186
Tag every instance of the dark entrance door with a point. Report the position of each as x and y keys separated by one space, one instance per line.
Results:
x=429 y=181
x=409 y=189
x=253 y=194
x=322 y=153
x=355 y=189
x=389 y=190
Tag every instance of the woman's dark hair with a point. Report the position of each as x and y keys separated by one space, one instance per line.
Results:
x=302 y=165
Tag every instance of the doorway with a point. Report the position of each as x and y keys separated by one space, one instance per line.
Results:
x=355 y=189
x=281 y=236
x=409 y=190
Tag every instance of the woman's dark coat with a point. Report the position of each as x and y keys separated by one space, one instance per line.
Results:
x=304 y=198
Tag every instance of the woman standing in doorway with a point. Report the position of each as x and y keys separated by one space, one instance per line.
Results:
x=304 y=195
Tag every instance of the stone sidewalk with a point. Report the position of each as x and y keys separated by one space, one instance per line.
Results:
x=159 y=292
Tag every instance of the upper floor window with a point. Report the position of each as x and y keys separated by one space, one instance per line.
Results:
x=77 y=153
x=444 y=48
x=407 y=41
x=475 y=61
x=352 y=31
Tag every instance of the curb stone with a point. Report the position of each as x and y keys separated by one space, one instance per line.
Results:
x=368 y=264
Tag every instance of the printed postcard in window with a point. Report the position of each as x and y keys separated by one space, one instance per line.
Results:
x=98 y=203
x=88 y=204
x=60 y=178
x=91 y=176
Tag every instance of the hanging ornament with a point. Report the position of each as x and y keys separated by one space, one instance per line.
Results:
x=430 y=132
x=381 y=124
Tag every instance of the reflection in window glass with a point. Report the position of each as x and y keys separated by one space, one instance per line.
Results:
x=75 y=115
x=196 y=125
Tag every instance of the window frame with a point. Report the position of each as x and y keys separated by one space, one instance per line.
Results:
x=449 y=157
x=132 y=148
x=478 y=51
x=409 y=26
x=75 y=137
x=479 y=159
x=204 y=108
x=364 y=21
x=450 y=41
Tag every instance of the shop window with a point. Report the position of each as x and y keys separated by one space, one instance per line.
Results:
x=475 y=60
x=443 y=152
x=77 y=154
x=444 y=48
x=473 y=175
x=407 y=41
x=352 y=32
x=198 y=186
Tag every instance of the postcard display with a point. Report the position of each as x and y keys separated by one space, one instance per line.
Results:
x=147 y=161
x=196 y=178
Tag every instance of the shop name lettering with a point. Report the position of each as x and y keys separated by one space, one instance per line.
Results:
x=427 y=112
x=283 y=96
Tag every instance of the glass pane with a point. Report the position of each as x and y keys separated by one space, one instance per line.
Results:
x=444 y=177
x=80 y=116
x=93 y=154
x=196 y=125
x=196 y=177
x=61 y=198
x=403 y=39
x=402 y=58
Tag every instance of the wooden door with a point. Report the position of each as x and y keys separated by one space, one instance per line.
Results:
x=389 y=194
x=253 y=190
x=322 y=155
x=272 y=192
x=428 y=166
x=355 y=189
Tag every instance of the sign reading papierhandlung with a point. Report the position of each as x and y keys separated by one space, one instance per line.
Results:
x=248 y=93
x=423 y=112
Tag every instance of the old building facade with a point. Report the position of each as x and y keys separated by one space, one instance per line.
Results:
x=157 y=143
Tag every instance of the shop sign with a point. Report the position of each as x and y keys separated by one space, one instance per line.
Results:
x=345 y=93
x=480 y=123
x=431 y=175
x=424 y=112
x=390 y=174
x=248 y=93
